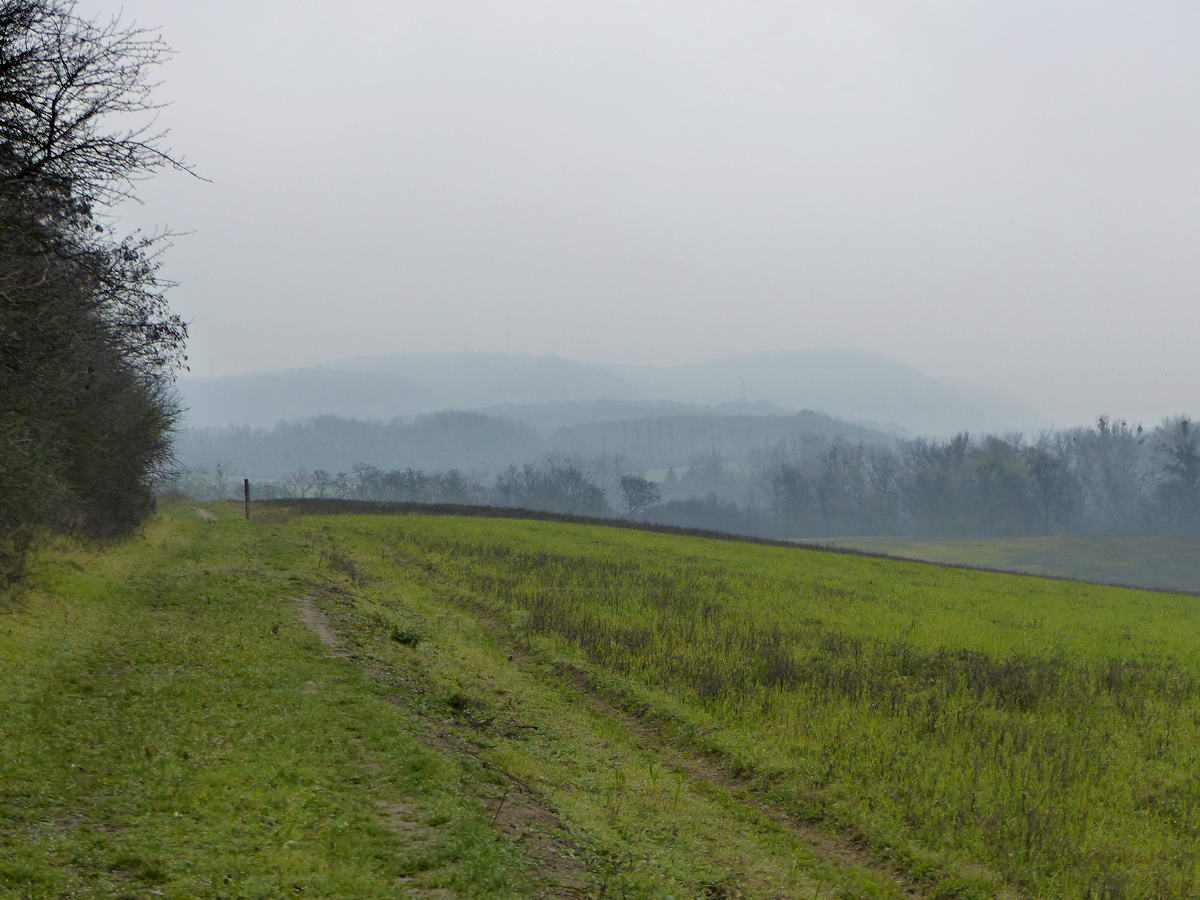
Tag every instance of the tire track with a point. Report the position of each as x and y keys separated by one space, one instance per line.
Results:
x=519 y=810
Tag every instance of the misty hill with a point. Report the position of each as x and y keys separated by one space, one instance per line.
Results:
x=474 y=380
x=852 y=384
x=265 y=398
x=383 y=387
x=548 y=417
x=550 y=391
x=479 y=443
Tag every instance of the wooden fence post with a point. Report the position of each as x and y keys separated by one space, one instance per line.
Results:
x=246 y=488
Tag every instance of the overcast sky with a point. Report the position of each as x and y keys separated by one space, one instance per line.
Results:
x=1001 y=192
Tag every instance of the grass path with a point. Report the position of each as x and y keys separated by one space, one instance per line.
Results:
x=518 y=810
x=171 y=729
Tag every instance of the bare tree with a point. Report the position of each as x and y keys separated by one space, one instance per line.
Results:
x=1177 y=440
x=88 y=345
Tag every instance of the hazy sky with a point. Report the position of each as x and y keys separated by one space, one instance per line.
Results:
x=1002 y=192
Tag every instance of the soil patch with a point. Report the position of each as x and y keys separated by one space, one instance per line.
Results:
x=314 y=617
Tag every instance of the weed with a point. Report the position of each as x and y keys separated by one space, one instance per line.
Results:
x=407 y=637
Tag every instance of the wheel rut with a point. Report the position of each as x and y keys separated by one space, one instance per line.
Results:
x=518 y=809
x=826 y=844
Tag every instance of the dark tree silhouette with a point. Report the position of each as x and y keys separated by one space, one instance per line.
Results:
x=88 y=345
x=639 y=493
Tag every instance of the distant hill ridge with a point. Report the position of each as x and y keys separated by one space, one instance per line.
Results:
x=551 y=391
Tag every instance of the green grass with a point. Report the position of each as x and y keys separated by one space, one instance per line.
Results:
x=636 y=714
x=981 y=729
x=652 y=825
x=169 y=726
x=1168 y=563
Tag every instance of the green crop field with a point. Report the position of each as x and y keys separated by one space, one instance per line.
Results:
x=577 y=710
x=1166 y=563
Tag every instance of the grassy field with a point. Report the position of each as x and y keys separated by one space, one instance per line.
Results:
x=170 y=728
x=506 y=707
x=1167 y=563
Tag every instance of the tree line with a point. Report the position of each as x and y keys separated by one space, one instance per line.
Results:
x=556 y=484
x=1111 y=478
x=475 y=441
x=88 y=345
